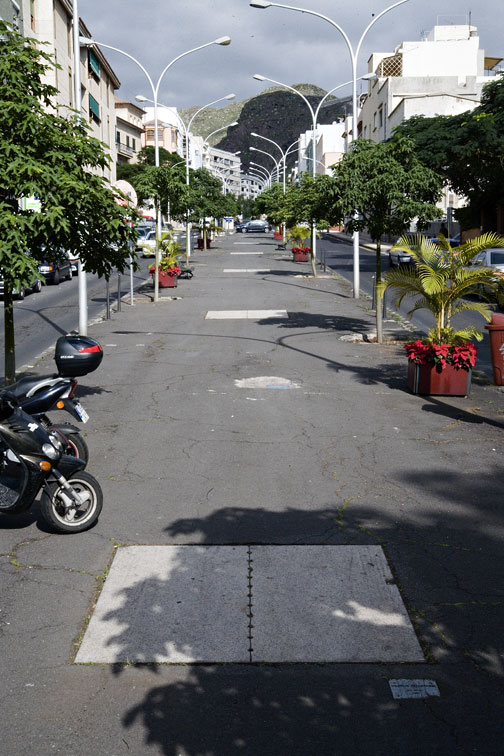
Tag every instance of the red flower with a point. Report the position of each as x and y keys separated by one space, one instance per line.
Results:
x=460 y=355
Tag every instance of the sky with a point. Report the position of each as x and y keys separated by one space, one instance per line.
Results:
x=284 y=45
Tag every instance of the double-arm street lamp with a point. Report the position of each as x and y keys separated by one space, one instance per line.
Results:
x=87 y=42
x=354 y=55
x=314 y=115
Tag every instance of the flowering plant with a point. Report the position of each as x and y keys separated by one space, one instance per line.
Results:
x=301 y=249
x=174 y=270
x=424 y=352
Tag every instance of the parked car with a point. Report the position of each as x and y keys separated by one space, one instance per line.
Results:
x=240 y=226
x=492 y=258
x=74 y=261
x=55 y=270
x=146 y=243
x=35 y=288
x=257 y=226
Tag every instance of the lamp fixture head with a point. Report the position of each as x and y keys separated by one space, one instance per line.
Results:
x=223 y=41
x=369 y=76
x=86 y=41
x=230 y=97
x=260 y=4
x=259 y=77
x=140 y=98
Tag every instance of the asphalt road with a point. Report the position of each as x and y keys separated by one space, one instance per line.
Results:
x=338 y=256
x=41 y=318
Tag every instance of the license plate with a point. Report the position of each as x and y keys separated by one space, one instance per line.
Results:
x=81 y=412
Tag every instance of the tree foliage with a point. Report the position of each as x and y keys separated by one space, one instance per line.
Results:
x=467 y=150
x=56 y=160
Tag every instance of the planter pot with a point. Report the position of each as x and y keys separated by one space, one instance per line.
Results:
x=201 y=243
x=300 y=256
x=277 y=236
x=429 y=379
x=167 y=281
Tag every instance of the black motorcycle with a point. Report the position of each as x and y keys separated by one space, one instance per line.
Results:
x=38 y=395
x=71 y=499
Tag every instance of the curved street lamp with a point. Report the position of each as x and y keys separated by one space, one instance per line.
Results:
x=354 y=54
x=88 y=42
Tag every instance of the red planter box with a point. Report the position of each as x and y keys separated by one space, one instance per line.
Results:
x=496 y=332
x=277 y=235
x=428 y=379
x=166 y=281
x=300 y=256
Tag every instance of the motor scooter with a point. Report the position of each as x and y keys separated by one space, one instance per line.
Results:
x=71 y=499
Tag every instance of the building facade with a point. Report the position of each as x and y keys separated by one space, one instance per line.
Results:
x=129 y=131
x=251 y=186
x=51 y=21
x=226 y=167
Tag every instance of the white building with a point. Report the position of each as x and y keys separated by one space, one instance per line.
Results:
x=331 y=144
x=442 y=74
x=129 y=131
x=50 y=21
x=170 y=132
x=226 y=167
x=251 y=186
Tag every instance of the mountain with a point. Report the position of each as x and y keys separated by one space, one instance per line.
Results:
x=275 y=113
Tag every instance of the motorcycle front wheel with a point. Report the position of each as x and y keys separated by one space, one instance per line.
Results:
x=78 y=517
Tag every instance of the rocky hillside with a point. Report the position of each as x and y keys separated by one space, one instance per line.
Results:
x=276 y=113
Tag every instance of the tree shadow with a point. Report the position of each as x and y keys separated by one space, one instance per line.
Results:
x=439 y=558
x=437 y=406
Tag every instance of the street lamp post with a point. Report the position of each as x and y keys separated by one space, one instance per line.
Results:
x=187 y=131
x=354 y=54
x=87 y=42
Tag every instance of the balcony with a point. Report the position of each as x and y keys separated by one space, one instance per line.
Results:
x=125 y=150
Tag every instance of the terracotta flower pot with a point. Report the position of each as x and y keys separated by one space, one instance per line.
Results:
x=300 y=256
x=430 y=379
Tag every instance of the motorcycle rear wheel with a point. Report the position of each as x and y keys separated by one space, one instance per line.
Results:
x=78 y=518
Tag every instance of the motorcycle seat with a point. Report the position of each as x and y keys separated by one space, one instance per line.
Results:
x=25 y=385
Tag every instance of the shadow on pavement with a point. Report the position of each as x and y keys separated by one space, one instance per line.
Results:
x=439 y=556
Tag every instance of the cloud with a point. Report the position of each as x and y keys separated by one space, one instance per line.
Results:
x=284 y=45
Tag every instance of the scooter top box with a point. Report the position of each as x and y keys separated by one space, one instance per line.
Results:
x=77 y=355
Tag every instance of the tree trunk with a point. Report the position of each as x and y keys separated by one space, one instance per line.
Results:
x=10 y=353
x=379 y=300
x=313 y=266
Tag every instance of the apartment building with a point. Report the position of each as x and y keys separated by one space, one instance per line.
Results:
x=170 y=132
x=226 y=167
x=50 y=21
x=251 y=186
x=442 y=74
x=129 y=131
x=330 y=146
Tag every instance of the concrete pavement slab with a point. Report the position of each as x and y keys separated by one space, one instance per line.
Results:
x=328 y=604
x=174 y=604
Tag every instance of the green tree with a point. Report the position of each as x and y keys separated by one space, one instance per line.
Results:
x=389 y=187
x=54 y=159
x=271 y=203
x=304 y=205
x=206 y=200
x=467 y=150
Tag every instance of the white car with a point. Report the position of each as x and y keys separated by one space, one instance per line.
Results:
x=146 y=243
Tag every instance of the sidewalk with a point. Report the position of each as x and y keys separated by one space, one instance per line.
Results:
x=286 y=533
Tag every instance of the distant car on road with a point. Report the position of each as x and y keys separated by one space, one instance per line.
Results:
x=257 y=226
x=54 y=271
x=240 y=227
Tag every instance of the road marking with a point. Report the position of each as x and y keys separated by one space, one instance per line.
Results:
x=246 y=270
x=414 y=688
x=266 y=382
x=246 y=253
x=245 y=314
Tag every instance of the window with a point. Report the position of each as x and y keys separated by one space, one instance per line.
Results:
x=133 y=143
x=118 y=137
x=93 y=65
x=94 y=109
x=380 y=116
x=70 y=88
x=127 y=141
x=496 y=258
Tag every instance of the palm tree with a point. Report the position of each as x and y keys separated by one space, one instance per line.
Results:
x=441 y=279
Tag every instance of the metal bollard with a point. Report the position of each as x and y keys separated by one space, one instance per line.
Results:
x=107 y=297
x=118 y=292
